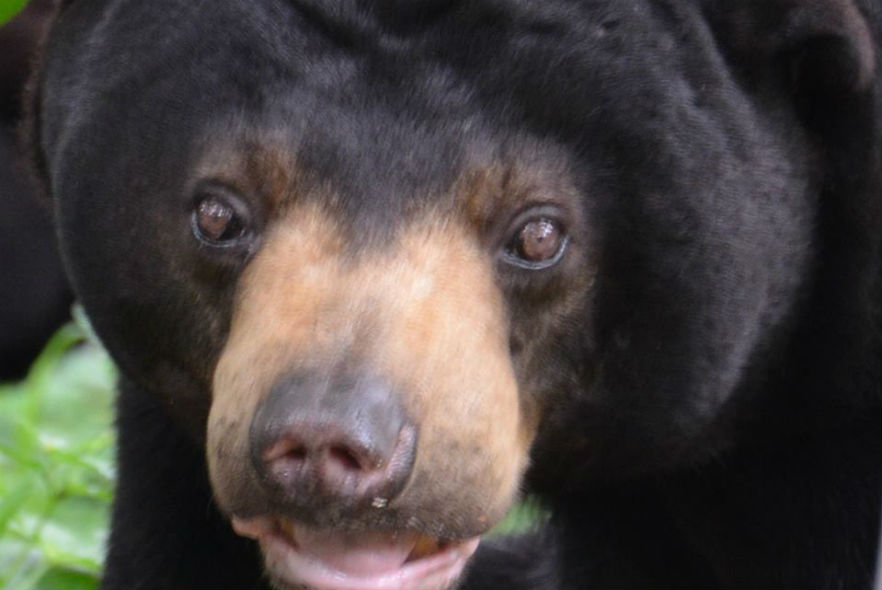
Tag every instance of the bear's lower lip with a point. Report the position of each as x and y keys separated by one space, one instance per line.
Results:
x=297 y=556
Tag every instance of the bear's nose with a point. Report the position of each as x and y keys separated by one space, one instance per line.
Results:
x=343 y=439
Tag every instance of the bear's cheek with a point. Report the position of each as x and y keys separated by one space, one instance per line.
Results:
x=422 y=314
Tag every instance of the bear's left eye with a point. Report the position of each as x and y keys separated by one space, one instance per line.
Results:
x=537 y=243
x=219 y=218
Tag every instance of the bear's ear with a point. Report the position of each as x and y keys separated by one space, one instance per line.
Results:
x=825 y=47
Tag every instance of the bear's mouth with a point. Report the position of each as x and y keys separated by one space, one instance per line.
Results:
x=297 y=556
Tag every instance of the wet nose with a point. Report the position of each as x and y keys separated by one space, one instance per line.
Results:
x=340 y=439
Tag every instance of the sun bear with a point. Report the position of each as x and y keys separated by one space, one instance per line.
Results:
x=373 y=270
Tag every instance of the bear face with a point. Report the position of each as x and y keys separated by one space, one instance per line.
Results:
x=376 y=258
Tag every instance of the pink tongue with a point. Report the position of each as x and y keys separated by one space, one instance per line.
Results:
x=356 y=554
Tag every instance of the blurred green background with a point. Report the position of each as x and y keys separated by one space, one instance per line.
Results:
x=56 y=461
x=9 y=8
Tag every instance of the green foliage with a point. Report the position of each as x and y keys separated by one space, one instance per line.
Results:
x=56 y=461
x=521 y=518
x=9 y=8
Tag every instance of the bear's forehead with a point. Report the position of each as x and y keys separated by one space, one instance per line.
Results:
x=389 y=112
x=393 y=110
x=366 y=71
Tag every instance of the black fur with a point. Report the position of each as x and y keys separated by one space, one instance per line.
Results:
x=34 y=293
x=712 y=407
x=170 y=534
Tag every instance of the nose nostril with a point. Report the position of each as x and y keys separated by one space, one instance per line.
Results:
x=297 y=454
x=345 y=458
x=285 y=449
x=292 y=451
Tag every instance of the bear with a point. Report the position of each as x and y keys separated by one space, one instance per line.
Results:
x=371 y=271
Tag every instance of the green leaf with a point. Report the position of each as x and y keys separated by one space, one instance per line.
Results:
x=9 y=8
x=59 y=578
x=522 y=517
x=23 y=456
x=10 y=503
x=57 y=465
x=25 y=576
x=76 y=533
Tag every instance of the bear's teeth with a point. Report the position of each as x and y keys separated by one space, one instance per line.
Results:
x=287 y=527
x=423 y=547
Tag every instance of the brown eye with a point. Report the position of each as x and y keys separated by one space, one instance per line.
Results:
x=538 y=243
x=218 y=220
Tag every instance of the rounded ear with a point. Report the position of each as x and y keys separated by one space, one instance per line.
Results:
x=826 y=47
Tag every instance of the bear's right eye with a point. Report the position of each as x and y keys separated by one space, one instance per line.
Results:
x=219 y=218
x=537 y=239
